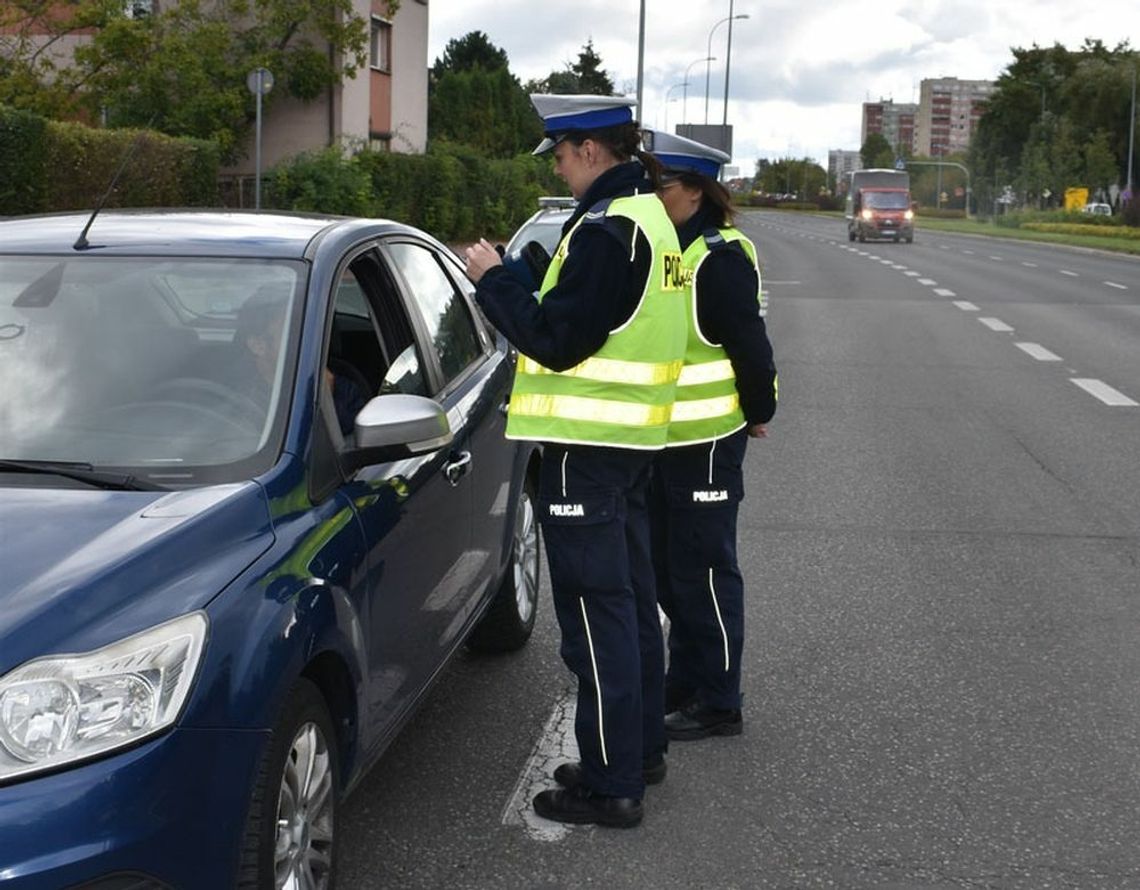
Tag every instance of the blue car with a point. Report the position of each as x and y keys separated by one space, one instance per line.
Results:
x=254 y=493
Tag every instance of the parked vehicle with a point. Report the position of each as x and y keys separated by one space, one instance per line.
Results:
x=545 y=226
x=1097 y=209
x=217 y=608
x=879 y=205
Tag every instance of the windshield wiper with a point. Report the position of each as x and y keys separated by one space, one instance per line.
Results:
x=80 y=472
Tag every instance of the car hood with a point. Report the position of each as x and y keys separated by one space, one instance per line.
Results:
x=85 y=568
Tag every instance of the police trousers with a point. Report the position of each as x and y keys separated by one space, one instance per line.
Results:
x=695 y=499
x=593 y=510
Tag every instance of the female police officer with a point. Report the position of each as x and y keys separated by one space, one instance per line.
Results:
x=727 y=392
x=601 y=350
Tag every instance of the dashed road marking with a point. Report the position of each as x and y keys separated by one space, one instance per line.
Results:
x=966 y=306
x=1070 y=274
x=995 y=324
x=912 y=273
x=928 y=282
x=944 y=292
x=1038 y=352
x=1117 y=286
x=1104 y=392
x=997 y=258
x=1029 y=265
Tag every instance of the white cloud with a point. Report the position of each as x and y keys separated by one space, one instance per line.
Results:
x=800 y=69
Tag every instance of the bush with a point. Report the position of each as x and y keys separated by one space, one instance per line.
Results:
x=941 y=212
x=23 y=173
x=53 y=165
x=320 y=181
x=1132 y=234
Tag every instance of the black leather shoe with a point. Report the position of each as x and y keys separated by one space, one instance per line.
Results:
x=580 y=806
x=569 y=775
x=696 y=721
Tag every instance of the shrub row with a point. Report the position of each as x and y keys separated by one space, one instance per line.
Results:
x=1018 y=218
x=1132 y=234
x=53 y=165
x=451 y=192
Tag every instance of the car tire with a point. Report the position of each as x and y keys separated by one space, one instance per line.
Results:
x=850 y=235
x=286 y=844
x=509 y=620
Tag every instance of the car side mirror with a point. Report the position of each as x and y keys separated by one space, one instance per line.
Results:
x=394 y=427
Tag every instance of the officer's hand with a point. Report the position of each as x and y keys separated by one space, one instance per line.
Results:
x=480 y=258
x=758 y=431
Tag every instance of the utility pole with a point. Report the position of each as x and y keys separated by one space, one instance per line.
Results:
x=641 y=62
x=1131 y=132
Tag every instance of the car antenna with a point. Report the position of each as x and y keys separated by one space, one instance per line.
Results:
x=81 y=243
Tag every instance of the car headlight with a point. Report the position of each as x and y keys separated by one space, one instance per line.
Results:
x=65 y=708
x=867 y=214
x=909 y=214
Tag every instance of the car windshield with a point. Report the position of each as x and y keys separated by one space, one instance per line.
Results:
x=174 y=369
x=545 y=229
x=885 y=200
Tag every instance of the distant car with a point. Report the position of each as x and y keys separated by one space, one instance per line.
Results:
x=545 y=226
x=217 y=608
x=1097 y=209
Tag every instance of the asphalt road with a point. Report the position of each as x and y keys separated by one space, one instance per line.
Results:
x=941 y=546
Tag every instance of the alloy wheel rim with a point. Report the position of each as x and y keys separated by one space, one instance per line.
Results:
x=302 y=857
x=525 y=566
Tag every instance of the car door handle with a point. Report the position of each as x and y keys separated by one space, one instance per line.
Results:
x=456 y=469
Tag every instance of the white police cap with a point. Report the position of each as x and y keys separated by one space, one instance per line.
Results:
x=678 y=154
x=563 y=114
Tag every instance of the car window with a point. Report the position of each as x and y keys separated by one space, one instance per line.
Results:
x=177 y=368
x=441 y=307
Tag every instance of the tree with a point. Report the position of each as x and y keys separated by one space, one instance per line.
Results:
x=183 y=69
x=475 y=100
x=1101 y=168
x=877 y=152
x=584 y=76
x=472 y=50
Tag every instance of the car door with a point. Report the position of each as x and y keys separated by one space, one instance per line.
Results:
x=474 y=379
x=415 y=513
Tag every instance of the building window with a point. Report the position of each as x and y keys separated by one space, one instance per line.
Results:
x=138 y=9
x=380 y=50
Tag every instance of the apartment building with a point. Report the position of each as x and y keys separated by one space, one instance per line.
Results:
x=948 y=113
x=894 y=120
x=840 y=162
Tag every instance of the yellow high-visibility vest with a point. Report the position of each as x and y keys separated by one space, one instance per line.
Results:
x=622 y=395
x=707 y=404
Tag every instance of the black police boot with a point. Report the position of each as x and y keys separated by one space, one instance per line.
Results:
x=581 y=806
x=697 y=721
x=569 y=775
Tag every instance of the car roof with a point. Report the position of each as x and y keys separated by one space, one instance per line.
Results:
x=270 y=235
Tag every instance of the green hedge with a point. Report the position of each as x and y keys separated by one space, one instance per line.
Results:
x=451 y=192
x=53 y=165
x=23 y=175
x=1109 y=231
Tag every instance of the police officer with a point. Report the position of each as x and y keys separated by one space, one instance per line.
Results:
x=726 y=394
x=600 y=352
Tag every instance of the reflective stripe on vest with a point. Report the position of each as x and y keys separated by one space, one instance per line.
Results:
x=708 y=405
x=622 y=396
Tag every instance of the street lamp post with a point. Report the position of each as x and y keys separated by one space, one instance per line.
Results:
x=709 y=55
x=728 y=60
x=685 y=92
x=668 y=100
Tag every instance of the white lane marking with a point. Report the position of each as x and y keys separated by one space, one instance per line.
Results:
x=943 y=246
x=1117 y=286
x=872 y=256
x=997 y=258
x=897 y=266
x=886 y=262
x=968 y=252
x=556 y=744
x=912 y=273
x=995 y=324
x=929 y=282
x=769 y=281
x=1104 y=392
x=1038 y=351
x=1070 y=274
x=1030 y=265
x=965 y=305
x=944 y=292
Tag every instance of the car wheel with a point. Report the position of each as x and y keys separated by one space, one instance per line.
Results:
x=509 y=620
x=850 y=235
x=290 y=839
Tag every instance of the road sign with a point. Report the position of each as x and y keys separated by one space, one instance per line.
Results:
x=900 y=163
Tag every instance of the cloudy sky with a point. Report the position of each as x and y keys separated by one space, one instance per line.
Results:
x=800 y=69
